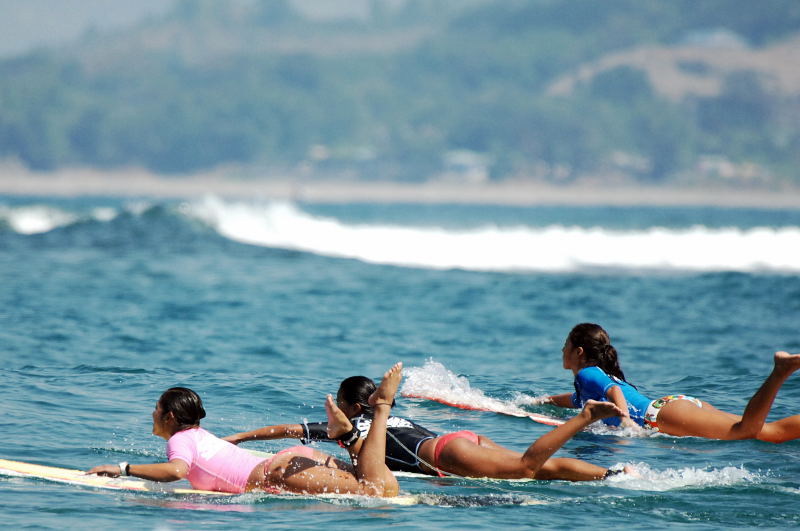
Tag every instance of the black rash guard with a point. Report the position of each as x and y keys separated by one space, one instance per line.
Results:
x=400 y=433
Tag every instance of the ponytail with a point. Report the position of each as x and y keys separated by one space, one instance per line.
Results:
x=597 y=348
x=609 y=362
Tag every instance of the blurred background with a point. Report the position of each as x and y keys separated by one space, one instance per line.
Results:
x=560 y=92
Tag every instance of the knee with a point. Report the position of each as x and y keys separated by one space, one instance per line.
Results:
x=386 y=488
x=391 y=489
x=741 y=432
x=547 y=470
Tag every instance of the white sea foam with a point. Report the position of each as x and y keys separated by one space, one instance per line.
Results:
x=490 y=248
x=104 y=214
x=662 y=480
x=38 y=219
x=35 y=219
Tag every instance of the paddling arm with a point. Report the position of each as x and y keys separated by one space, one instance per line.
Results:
x=280 y=431
x=617 y=397
x=161 y=472
x=564 y=400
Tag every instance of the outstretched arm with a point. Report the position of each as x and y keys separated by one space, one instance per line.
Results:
x=161 y=472
x=280 y=431
x=564 y=400
x=617 y=397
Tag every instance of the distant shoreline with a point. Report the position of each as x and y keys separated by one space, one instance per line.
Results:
x=132 y=183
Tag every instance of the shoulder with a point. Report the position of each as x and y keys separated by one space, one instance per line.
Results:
x=180 y=435
x=184 y=444
x=594 y=380
x=592 y=373
x=190 y=436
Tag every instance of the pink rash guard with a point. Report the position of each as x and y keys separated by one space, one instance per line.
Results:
x=214 y=464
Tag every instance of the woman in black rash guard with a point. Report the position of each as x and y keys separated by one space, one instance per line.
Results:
x=413 y=448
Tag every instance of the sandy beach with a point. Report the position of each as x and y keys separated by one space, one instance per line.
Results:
x=134 y=183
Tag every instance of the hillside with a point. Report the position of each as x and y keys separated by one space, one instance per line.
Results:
x=556 y=90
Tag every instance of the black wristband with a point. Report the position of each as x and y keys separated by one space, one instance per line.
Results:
x=347 y=439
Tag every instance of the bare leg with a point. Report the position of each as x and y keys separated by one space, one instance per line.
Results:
x=322 y=473
x=488 y=459
x=555 y=467
x=681 y=417
x=755 y=414
x=546 y=445
x=486 y=442
x=467 y=459
x=371 y=469
x=786 y=429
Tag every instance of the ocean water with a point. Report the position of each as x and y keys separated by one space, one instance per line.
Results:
x=263 y=307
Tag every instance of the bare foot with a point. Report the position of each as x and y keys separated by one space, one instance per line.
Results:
x=338 y=423
x=384 y=394
x=786 y=363
x=602 y=410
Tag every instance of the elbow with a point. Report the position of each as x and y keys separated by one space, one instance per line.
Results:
x=175 y=476
x=178 y=473
x=175 y=471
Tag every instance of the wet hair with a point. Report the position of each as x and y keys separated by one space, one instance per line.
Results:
x=184 y=404
x=597 y=348
x=356 y=390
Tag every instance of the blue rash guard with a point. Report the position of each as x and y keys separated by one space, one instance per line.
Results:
x=592 y=383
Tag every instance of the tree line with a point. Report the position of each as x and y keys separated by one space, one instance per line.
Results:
x=432 y=77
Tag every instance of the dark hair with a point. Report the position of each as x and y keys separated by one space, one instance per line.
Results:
x=184 y=404
x=597 y=348
x=356 y=390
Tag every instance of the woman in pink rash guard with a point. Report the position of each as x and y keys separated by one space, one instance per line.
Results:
x=209 y=463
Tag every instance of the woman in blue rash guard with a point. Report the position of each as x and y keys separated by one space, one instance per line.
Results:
x=588 y=353
x=413 y=448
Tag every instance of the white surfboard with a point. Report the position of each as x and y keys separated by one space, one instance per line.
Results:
x=128 y=484
x=80 y=478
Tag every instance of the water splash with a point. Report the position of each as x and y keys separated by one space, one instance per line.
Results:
x=434 y=381
x=682 y=478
